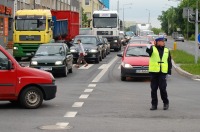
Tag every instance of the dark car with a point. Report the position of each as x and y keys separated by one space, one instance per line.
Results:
x=92 y=46
x=108 y=46
x=53 y=57
x=115 y=42
x=135 y=61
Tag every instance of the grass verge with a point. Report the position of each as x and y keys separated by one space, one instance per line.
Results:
x=186 y=61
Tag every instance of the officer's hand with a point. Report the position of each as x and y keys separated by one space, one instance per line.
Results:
x=148 y=46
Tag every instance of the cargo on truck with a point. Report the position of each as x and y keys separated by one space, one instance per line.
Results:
x=35 y=27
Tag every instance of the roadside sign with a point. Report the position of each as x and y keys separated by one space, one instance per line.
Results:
x=186 y=10
x=199 y=38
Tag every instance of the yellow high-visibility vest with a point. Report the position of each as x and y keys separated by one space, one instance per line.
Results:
x=156 y=64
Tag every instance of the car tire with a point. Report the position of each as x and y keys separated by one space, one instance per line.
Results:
x=31 y=97
x=182 y=40
x=123 y=78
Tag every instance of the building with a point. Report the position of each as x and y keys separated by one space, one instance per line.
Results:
x=89 y=6
x=9 y=7
x=6 y=17
x=106 y=3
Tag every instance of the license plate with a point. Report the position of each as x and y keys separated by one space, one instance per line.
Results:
x=142 y=71
x=46 y=68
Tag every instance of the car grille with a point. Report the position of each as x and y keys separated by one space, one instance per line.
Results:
x=46 y=64
x=141 y=67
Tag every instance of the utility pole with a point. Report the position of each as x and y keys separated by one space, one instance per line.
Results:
x=33 y=4
x=196 y=33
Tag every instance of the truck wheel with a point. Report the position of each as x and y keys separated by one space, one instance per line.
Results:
x=31 y=97
x=18 y=58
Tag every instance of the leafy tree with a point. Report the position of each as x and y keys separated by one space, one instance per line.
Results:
x=156 y=30
x=84 y=19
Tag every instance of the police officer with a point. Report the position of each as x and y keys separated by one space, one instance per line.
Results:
x=159 y=66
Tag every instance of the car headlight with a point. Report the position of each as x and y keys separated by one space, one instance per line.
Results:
x=73 y=50
x=15 y=48
x=58 y=63
x=34 y=62
x=125 y=65
x=93 y=50
x=115 y=40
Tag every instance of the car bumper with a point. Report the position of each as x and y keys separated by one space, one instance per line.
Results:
x=52 y=69
x=89 y=56
x=49 y=91
x=134 y=72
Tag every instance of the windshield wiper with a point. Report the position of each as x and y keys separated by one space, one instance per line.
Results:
x=144 y=55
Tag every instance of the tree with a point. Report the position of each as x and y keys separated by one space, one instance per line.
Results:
x=84 y=19
x=156 y=30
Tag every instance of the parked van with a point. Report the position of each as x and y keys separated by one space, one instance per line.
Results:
x=24 y=85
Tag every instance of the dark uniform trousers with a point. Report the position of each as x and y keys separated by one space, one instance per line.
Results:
x=158 y=80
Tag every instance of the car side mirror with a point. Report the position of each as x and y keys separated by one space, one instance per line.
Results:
x=9 y=65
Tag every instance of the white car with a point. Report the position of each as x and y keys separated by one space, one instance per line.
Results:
x=179 y=37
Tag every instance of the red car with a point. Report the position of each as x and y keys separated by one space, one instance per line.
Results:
x=135 y=61
x=24 y=85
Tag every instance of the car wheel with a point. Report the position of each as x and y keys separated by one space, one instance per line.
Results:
x=31 y=97
x=116 y=49
x=182 y=40
x=123 y=78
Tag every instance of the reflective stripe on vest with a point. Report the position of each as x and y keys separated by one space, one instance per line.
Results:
x=155 y=63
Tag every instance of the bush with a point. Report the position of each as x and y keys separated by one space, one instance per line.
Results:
x=192 y=37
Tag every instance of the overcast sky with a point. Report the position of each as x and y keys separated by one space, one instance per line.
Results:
x=138 y=11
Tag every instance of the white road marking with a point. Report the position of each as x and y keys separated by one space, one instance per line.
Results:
x=78 y=104
x=105 y=66
x=62 y=124
x=119 y=67
x=70 y=114
x=88 y=90
x=84 y=96
x=197 y=79
x=87 y=67
x=92 y=85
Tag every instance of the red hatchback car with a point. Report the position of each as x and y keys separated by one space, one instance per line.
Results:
x=135 y=61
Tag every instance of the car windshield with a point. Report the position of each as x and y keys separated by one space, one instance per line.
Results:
x=136 y=51
x=86 y=40
x=50 y=50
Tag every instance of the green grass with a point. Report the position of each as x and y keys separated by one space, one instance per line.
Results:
x=186 y=61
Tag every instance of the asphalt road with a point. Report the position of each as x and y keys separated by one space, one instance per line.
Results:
x=94 y=99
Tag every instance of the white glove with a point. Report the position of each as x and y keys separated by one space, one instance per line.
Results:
x=148 y=46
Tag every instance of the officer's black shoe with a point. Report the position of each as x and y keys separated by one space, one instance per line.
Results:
x=153 y=107
x=166 y=106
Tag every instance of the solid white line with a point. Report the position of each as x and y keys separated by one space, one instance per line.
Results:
x=62 y=124
x=78 y=104
x=84 y=96
x=88 y=90
x=92 y=85
x=70 y=114
x=98 y=77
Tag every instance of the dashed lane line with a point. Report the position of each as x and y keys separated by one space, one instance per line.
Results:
x=78 y=104
x=88 y=90
x=92 y=85
x=70 y=114
x=84 y=96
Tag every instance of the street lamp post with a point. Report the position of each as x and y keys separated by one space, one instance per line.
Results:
x=123 y=15
x=149 y=15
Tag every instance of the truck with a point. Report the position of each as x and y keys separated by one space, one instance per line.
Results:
x=24 y=85
x=38 y=26
x=106 y=23
x=143 y=29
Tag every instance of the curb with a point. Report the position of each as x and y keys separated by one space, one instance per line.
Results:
x=184 y=73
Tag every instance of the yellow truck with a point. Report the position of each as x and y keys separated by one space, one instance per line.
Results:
x=31 y=28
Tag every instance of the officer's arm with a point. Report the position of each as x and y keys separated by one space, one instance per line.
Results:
x=149 y=50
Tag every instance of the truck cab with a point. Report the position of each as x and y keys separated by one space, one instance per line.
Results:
x=24 y=85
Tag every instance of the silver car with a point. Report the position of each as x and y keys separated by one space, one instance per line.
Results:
x=179 y=37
